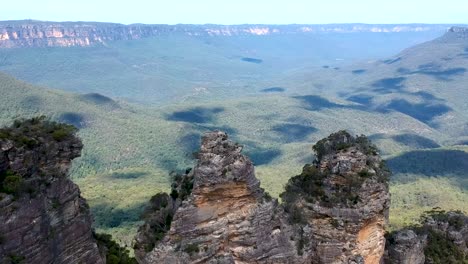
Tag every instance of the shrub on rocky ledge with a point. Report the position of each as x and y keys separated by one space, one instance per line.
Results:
x=30 y=132
x=115 y=254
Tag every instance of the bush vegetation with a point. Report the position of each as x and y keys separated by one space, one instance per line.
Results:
x=29 y=132
x=115 y=254
x=130 y=138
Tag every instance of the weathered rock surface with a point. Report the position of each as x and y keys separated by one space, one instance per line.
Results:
x=43 y=217
x=228 y=218
x=406 y=247
x=344 y=210
x=442 y=237
x=28 y=33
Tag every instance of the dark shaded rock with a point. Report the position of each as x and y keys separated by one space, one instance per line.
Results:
x=405 y=247
x=43 y=217
x=441 y=237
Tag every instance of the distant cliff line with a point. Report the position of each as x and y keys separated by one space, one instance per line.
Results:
x=31 y=33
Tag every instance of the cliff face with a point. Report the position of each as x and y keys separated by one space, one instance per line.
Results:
x=341 y=201
x=442 y=237
x=228 y=218
x=15 y=34
x=44 y=218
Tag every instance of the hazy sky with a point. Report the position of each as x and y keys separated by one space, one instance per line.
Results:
x=239 y=11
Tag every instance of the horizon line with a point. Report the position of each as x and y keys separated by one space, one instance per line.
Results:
x=240 y=24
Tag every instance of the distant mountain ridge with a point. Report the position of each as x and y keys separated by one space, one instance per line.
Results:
x=31 y=33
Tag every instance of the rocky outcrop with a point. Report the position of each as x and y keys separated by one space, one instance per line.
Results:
x=28 y=33
x=459 y=32
x=341 y=201
x=441 y=237
x=228 y=218
x=406 y=247
x=43 y=217
x=454 y=34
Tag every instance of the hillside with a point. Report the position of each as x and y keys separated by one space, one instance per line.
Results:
x=191 y=62
x=34 y=33
x=130 y=150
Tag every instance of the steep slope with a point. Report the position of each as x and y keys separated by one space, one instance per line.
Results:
x=44 y=218
x=31 y=33
x=118 y=178
x=425 y=82
x=189 y=62
x=228 y=218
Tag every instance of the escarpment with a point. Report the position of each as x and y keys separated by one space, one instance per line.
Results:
x=30 y=33
x=43 y=217
x=441 y=237
x=334 y=212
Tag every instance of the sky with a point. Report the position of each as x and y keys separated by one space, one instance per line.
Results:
x=240 y=11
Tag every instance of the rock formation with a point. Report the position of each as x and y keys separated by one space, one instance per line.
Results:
x=441 y=237
x=43 y=217
x=406 y=247
x=334 y=212
x=29 y=33
x=341 y=201
x=456 y=33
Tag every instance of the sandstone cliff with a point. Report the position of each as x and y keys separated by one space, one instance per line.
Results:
x=341 y=202
x=28 y=33
x=441 y=237
x=43 y=217
x=228 y=218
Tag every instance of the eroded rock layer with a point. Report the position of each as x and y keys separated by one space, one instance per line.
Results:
x=30 y=33
x=43 y=217
x=334 y=212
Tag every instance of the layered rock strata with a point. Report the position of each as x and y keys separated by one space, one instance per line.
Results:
x=43 y=217
x=228 y=218
x=29 y=33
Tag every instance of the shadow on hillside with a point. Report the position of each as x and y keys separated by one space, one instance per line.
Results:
x=273 y=90
x=391 y=61
x=315 y=102
x=128 y=175
x=260 y=155
x=31 y=102
x=252 y=60
x=98 y=99
x=78 y=120
x=436 y=71
x=415 y=141
x=360 y=71
x=361 y=99
x=293 y=132
x=388 y=85
x=423 y=112
x=431 y=163
x=191 y=142
x=195 y=115
x=427 y=96
x=107 y=216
